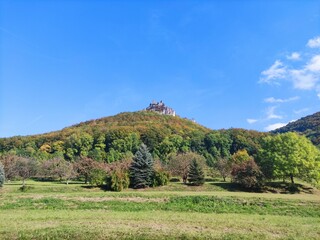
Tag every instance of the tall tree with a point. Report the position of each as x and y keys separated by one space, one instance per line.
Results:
x=290 y=155
x=196 y=174
x=141 y=169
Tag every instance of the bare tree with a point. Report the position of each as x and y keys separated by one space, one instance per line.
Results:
x=224 y=167
x=25 y=168
x=179 y=164
x=9 y=161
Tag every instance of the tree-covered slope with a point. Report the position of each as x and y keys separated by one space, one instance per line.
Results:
x=308 y=126
x=113 y=138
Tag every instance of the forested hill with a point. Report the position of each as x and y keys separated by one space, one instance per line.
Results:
x=116 y=137
x=308 y=126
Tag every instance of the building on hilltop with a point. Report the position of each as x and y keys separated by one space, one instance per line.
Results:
x=161 y=108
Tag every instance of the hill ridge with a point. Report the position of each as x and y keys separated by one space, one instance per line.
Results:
x=308 y=126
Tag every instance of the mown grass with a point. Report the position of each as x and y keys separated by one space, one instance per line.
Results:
x=57 y=211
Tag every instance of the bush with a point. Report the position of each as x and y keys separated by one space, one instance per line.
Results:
x=25 y=188
x=118 y=180
x=97 y=177
x=247 y=174
x=174 y=179
x=2 y=175
x=160 y=178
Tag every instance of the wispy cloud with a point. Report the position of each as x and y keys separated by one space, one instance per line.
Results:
x=275 y=72
x=314 y=42
x=299 y=111
x=274 y=126
x=295 y=56
x=271 y=113
x=304 y=75
x=251 y=120
x=279 y=100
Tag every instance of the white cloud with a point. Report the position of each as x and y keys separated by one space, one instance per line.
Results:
x=314 y=64
x=279 y=100
x=252 y=121
x=303 y=80
x=271 y=113
x=276 y=71
x=274 y=126
x=295 y=56
x=314 y=42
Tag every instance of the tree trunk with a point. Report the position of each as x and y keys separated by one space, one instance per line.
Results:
x=291 y=177
x=224 y=179
x=184 y=179
x=23 y=182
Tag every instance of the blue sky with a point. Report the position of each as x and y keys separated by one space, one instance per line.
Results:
x=247 y=64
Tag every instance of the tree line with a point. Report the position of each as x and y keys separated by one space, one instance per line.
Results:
x=284 y=156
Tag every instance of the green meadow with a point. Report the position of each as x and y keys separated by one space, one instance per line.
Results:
x=53 y=210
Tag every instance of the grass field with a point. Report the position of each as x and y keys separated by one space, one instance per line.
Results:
x=51 y=210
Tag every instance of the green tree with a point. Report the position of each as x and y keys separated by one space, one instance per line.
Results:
x=241 y=156
x=141 y=169
x=195 y=174
x=289 y=155
x=2 y=175
x=79 y=144
x=218 y=144
x=97 y=176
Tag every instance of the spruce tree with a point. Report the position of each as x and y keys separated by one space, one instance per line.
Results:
x=141 y=169
x=196 y=174
x=2 y=176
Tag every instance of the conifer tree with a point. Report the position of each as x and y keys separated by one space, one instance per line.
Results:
x=196 y=174
x=2 y=176
x=141 y=169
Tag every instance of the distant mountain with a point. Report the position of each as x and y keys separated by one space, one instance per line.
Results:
x=308 y=126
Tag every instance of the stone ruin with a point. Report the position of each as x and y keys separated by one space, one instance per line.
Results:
x=160 y=108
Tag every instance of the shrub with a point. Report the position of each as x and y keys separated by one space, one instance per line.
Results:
x=97 y=177
x=160 y=178
x=118 y=180
x=247 y=174
x=25 y=188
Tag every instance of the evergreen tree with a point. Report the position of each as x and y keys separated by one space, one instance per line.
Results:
x=141 y=169
x=196 y=174
x=2 y=177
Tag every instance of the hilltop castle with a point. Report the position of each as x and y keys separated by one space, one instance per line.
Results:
x=161 y=108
